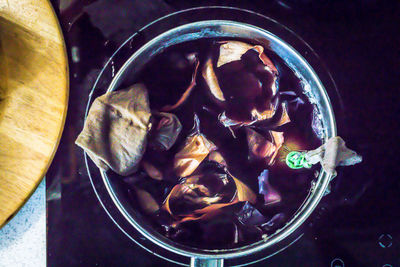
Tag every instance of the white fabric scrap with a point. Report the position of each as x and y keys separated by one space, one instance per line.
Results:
x=332 y=154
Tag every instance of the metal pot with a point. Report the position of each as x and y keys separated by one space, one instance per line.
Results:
x=111 y=194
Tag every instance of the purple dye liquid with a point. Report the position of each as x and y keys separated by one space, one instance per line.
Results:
x=167 y=76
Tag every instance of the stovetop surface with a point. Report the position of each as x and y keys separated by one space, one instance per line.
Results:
x=357 y=224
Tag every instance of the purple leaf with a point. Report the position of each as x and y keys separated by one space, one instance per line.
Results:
x=296 y=102
x=220 y=231
x=288 y=93
x=271 y=196
x=274 y=223
x=249 y=215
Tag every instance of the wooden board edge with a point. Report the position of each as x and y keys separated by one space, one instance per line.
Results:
x=55 y=147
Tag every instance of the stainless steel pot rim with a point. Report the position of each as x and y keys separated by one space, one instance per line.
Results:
x=297 y=220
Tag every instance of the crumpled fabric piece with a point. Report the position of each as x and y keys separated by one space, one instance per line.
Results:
x=332 y=154
x=115 y=131
x=166 y=131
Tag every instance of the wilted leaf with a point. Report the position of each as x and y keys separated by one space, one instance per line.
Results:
x=130 y=180
x=233 y=50
x=217 y=157
x=146 y=201
x=259 y=146
x=194 y=151
x=115 y=131
x=228 y=122
x=277 y=139
x=271 y=196
x=212 y=211
x=198 y=192
x=274 y=223
x=284 y=116
x=249 y=233
x=249 y=215
x=296 y=103
x=244 y=193
x=267 y=62
x=152 y=171
x=287 y=93
x=263 y=115
x=255 y=117
x=195 y=191
x=166 y=131
x=247 y=82
x=212 y=81
x=189 y=89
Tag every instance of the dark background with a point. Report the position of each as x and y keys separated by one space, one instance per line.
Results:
x=359 y=43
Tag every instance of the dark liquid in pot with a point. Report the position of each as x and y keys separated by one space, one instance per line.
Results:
x=167 y=76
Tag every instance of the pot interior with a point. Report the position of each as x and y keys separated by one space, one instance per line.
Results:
x=312 y=87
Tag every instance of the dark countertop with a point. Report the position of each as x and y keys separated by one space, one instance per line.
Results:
x=359 y=43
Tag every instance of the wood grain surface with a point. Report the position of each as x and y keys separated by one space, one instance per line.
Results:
x=33 y=98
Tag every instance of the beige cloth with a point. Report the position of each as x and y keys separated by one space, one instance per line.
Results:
x=115 y=131
x=332 y=154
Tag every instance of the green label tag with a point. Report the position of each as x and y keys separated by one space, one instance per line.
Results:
x=297 y=160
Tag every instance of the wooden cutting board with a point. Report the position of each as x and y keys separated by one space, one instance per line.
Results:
x=33 y=98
